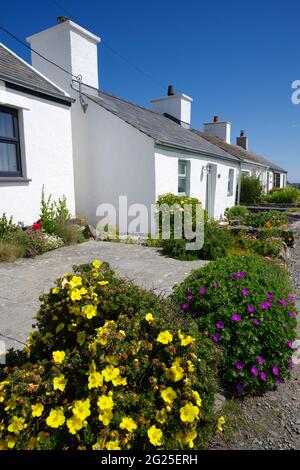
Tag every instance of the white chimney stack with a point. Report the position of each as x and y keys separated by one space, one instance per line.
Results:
x=220 y=129
x=71 y=47
x=175 y=106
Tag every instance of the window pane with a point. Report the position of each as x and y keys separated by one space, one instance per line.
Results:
x=182 y=186
x=6 y=125
x=8 y=157
x=182 y=168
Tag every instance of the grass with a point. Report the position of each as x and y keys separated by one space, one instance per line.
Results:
x=10 y=252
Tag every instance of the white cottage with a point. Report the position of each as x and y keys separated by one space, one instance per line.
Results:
x=95 y=147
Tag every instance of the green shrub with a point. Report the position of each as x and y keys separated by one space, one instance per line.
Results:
x=268 y=219
x=246 y=307
x=6 y=225
x=53 y=213
x=287 y=195
x=111 y=367
x=69 y=233
x=236 y=212
x=31 y=241
x=10 y=252
x=251 y=190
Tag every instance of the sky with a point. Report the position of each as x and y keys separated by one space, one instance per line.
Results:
x=235 y=59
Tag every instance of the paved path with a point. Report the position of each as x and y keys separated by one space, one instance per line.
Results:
x=22 y=282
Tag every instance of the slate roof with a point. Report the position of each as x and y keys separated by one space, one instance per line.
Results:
x=14 y=70
x=162 y=129
x=239 y=152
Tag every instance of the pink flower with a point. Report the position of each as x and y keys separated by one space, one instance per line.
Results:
x=216 y=337
x=254 y=371
x=270 y=297
x=250 y=309
x=239 y=365
x=275 y=370
x=263 y=376
x=220 y=325
x=292 y=315
x=260 y=360
x=235 y=317
x=255 y=321
x=202 y=290
x=245 y=292
x=265 y=305
x=291 y=298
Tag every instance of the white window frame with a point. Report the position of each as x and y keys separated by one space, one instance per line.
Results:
x=246 y=173
x=230 y=183
x=184 y=176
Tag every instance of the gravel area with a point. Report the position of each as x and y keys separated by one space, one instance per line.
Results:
x=270 y=422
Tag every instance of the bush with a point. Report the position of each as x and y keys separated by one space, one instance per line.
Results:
x=287 y=195
x=251 y=190
x=246 y=307
x=53 y=213
x=111 y=367
x=236 y=212
x=7 y=226
x=10 y=252
x=69 y=233
x=267 y=219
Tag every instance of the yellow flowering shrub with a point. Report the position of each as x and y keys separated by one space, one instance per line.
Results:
x=129 y=373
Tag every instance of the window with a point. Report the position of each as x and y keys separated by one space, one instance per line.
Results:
x=277 y=180
x=10 y=162
x=183 y=177
x=230 y=182
x=246 y=173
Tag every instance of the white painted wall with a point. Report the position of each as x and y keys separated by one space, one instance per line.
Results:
x=220 y=129
x=166 y=168
x=258 y=172
x=46 y=148
x=178 y=106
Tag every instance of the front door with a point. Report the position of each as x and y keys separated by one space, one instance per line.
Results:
x=211 y=178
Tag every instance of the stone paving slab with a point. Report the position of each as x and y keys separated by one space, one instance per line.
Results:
x=22 y=282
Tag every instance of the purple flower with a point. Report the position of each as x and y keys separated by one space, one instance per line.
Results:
x=265 y=305
x=291 y=363
x=290 y=344
x=240 y=388
x=245 y=292
x=284 y=303
x=255 y=321
x=260 y=360
x=215 y=285
x=220 y=325
x=270 y=297
x=275 y=370
x=189 y=297
x=291 y=298
x=254 y=371
x=216 y=337
x=292 y=315
x=239 y=365
x=278 y=381
x=234 y=277
x=263 y=376
x=241 y=274
x=250 y=309
x=202 y=290
x=235 y=317
x=185 y=306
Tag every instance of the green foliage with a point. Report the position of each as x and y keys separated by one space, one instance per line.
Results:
x=287 y=195
x=268 y=219
x=236 y=212
x=10 y=252
x=53 y=213
x=245 y=305
x=69 y=233
x=6 y=225
x=251 y=190
x=122 y=357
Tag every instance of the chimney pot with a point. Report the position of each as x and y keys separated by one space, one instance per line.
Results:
x=216 y=118
x=62 y=19
x=171 y=91
x=242 y=134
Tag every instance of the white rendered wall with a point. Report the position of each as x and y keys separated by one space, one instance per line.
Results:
x=221 y=129
x=166 y=168
x=178 y=106
x=46 y=150
x=258 y=172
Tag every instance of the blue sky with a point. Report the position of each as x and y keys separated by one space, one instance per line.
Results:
x=235 y=59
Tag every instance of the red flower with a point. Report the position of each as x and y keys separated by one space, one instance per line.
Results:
x=37 y=225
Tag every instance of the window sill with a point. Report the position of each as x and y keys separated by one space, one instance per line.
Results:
x=14 y=179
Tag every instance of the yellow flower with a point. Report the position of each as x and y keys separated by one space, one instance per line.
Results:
x=185 y=340
x=82 y=409
x=75 y=295
x=149 y=318
x=189 y=413
x=59 y=383
x=89 y=311
x=3 y=384
x=105 y=417
x=168 y=395
x=105 y=403
x=175 y=372
x=76 y=281
x=221 y=421
x=74 y=424
x=191 y=367
x=58 y=356
x=197 y=398
x=16 y=425
x=165 y=337
x=128 y=423
x=55 y=290
x=110 y=373
x=188 y=438
x=119 y=381
x=113 y=445
x=37 y=410
x=103 y=283
x=96 y=264
x=95 y=380
x=56 y=418
x=11 y=441
x=161 y=416
x=155 y=435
